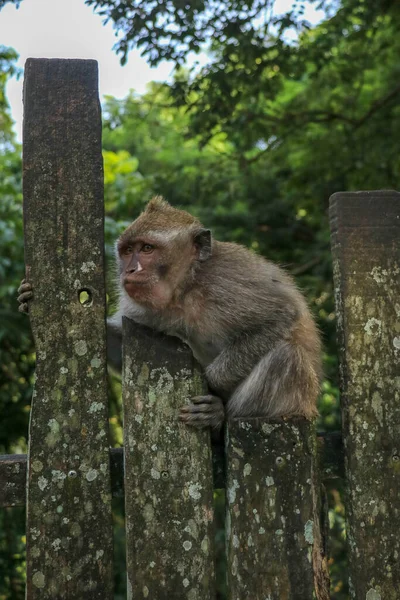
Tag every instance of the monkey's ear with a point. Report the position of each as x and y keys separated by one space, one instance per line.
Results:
x=202 y=239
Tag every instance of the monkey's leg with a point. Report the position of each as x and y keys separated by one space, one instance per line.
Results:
x=203 y=411
x=283 y=383
x=264 y=381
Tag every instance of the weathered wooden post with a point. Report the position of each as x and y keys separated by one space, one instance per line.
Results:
x=69 y=528
x=366 y=257
x=168 y=472
x=274 y=543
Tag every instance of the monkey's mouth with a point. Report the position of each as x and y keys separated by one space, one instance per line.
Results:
x=132 y=283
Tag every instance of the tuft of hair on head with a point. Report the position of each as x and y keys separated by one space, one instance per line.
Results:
x=156 y=204
x=163 y=215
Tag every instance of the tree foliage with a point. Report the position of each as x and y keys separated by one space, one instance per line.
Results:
x=254 y=52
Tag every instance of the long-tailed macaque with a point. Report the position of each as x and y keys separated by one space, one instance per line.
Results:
x=243 y=317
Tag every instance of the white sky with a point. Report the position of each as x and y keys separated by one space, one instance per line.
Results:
x=70 y=29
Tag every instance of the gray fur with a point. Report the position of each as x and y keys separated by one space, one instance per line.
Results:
x=252 y=333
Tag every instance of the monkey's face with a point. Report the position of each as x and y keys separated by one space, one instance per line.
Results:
x=139 y=264
x=151 y=267
x=157 y=253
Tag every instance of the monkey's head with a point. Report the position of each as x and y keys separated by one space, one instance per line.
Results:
x=158 y=253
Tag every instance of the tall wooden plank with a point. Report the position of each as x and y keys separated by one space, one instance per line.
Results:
x=275 y=549
x=168 y=472
x=69 y=528
x=366 y=256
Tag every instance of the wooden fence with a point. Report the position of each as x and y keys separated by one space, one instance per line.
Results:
x=272 y=470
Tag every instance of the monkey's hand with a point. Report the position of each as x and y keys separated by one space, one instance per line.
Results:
x=203 y=411
x=25 y=296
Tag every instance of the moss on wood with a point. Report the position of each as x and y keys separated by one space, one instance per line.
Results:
x=366 y=254
x=168 y=472
x=69 y=528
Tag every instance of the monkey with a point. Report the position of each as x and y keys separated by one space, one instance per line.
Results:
x=243 y=317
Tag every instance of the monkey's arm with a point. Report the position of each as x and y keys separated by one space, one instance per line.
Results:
x=223 y=375
x=237 y=359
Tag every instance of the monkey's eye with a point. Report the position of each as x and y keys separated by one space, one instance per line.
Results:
x=147 y=248
x=127 y=250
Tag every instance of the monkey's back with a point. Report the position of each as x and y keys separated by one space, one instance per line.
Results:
x=240 y=294
x=245 y=289
x=258 y=322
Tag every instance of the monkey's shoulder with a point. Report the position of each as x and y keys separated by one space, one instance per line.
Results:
x=235 y=273
x=240 y=262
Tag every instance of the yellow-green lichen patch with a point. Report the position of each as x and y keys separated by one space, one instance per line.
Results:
x=96 y=407
x=246 y=469
x=144 y=375
x=42 y=483
x=373 y=327
x=231 y=491
x=37 y=466
x=195 y=491
x=155 y=474
x=80 y=347
x=309 y=532
x=35 y=551
x=88 y=266
x=192 y=529
x=96 y=363
x=38 y=580
x=205 y=545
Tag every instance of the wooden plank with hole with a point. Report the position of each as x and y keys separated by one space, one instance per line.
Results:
x=275 y=547
x=69 y=526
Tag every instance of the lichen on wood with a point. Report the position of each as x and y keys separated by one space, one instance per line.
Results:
x=168 y=472
x=365 y=230
x=274 y=542
x=13 y=468
x=69 y=526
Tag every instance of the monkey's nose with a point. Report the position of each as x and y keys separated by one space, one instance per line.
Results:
x=134 y=269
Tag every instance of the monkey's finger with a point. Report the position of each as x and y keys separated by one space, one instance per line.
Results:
x=197 y=408
x=202 y=420
x=25 y=296
x=204 y=399
x=24 y=287
x=24 y=308
x=196 y=424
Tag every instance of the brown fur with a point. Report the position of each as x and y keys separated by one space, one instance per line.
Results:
x=159 y=216
x=243 y=317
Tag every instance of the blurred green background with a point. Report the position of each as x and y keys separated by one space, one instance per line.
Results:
x=282 y=115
